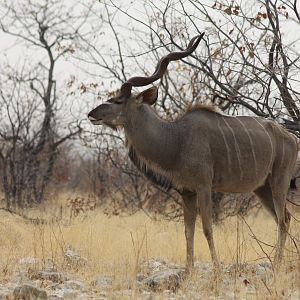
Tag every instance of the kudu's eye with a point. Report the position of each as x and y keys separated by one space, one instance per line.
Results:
x=115 y=101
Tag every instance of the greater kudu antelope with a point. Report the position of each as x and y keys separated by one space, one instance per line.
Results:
x=203 y=151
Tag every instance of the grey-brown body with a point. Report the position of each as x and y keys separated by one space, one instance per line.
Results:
x=204 y=151
x=233 y=154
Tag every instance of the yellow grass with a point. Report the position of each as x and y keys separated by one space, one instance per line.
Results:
x=115 y=245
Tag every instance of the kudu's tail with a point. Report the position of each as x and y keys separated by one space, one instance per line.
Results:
x=296 y=173
x=293 y=182
x=293 y=185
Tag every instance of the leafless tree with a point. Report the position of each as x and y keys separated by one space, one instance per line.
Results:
x=30 y=98
x=249 y=63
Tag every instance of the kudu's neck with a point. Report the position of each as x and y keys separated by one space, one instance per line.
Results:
x=153 y=139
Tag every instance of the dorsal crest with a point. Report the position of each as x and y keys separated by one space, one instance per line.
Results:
x=202 y=106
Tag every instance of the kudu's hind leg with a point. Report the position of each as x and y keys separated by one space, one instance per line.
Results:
x=284 y=218
x=279 y=191
x=190 y=215
x=204 y=202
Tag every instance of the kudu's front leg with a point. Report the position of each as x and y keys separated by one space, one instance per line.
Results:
x=204 y=205
x=190 y=215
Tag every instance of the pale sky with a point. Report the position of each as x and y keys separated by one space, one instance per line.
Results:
x=15 y=53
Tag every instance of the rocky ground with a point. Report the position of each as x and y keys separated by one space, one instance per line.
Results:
x=155 y=279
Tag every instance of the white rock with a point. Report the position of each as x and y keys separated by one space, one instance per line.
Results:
x=31 y=292
x=166 y=279
x=74 y=285
x=103 y=282
x=74 y=258
x=28 y=261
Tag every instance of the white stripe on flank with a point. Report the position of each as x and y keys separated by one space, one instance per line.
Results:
x=252 y=145
x=283 y=132
x=271 y=144
x=227 y=146
x=283 y=153
x=237 y=148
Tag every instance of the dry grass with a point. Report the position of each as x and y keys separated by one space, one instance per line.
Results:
x=115 y=245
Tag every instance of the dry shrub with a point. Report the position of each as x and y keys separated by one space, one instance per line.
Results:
x=81 y=204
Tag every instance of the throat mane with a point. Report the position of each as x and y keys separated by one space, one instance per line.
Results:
x=149 y=171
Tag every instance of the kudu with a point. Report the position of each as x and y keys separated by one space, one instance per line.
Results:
x=203 y=151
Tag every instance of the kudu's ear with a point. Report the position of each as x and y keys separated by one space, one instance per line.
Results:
x=148 y=96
